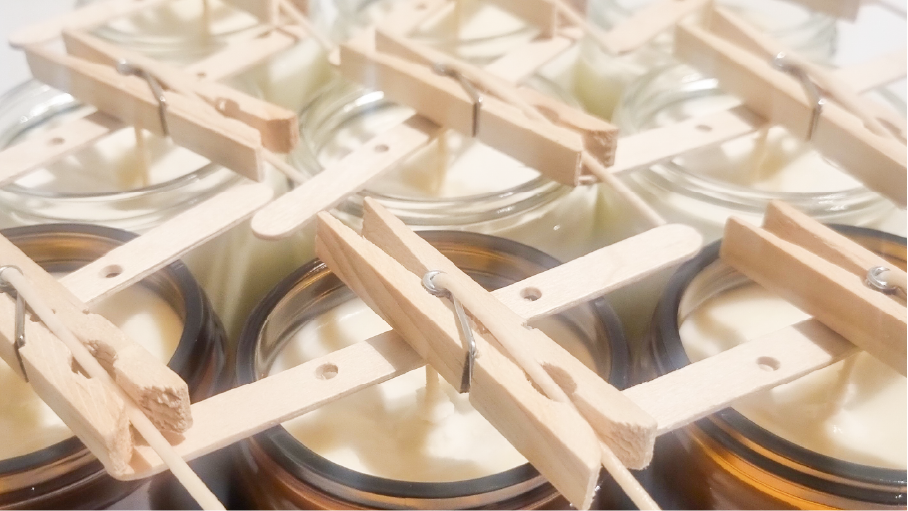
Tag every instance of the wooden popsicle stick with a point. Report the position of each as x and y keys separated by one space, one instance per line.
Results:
x=539 y=13
x=91 y=410
x=793 y=226
x=876 y=72
x=552 y=150
x=279 y=127
x=153 y=386
x=728 y=25
x=277 y=398
x=88 y=363
x=831 y=294
x=649 y=22
x=239 y=56
x=334 y=184
x=89 y=15
x=705 y=387
x=408 y=15
x=618 y=422
x=878 y=162
x=845 y=9
x=224 y=141
x=551 y=435
x=298 y=207
x=139 y=258
x=599 y=136
x=265 y=10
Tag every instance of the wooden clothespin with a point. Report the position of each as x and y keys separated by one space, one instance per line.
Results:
x=189 y=122
x=455 y=104
x=825 y=275
x=878 y=162
x=279 y=127
x=498 y=386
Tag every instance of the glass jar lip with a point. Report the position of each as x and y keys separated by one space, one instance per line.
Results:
x=671 y=356
x=296 y=458
x=345 y=101
x=676 y=178
x=32 y=93
x=180 y=362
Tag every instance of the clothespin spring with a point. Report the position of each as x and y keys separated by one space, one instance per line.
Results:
x=446 y=70
x=125 y=68
x=781 y=63
x=6 y=287
x=428 y=283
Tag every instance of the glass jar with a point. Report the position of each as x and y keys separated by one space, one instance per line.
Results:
x=278 y=471
x=817 y=442
x=741 y=176
x=454 y=183
x=104 y=185
x=601 y=79
x=474 y=30
x=52 y=469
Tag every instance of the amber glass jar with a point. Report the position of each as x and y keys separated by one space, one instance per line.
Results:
x=278 y=471
x=728 y=460
x=65 y=475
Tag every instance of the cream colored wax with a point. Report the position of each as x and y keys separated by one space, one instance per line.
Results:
x=400 y=429
x=854 y=410
x=28 y=425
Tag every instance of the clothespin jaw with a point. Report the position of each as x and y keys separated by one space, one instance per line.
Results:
x=878 y=162
x=552 y=436
x=824 y=275
x=553 y=150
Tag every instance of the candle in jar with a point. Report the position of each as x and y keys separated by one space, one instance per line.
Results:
x=401 y=429
x=28 y=425
x=854 y=410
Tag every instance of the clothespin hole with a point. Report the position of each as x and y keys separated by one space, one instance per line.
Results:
x=111 y=271
x=769 y=364
x=531 y=294
x=76 y=368
x=704 y=128
x=421 y=6
x=56 y=141
x=381 y=148
x=326 y=371
x=201 y=74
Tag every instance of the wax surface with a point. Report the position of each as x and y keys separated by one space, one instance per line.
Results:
x=854 y=410
x=399 y=429
x=27 y=424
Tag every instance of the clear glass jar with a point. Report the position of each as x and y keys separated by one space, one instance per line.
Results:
x=741 y=176
x=454 y=182
x=103 y=185
x=745 y=457
x=474 y=30
x=179 y=31
x=278 y=471
x=601 y=79
x=64 y=475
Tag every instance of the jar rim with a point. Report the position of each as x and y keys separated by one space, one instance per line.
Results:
x=670 y=356
x=292 y=455
x=180 y=362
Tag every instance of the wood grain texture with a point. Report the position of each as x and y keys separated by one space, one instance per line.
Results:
x=878 y=162
x=148 y=381
x=831 y=294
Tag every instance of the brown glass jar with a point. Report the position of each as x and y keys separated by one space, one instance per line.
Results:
x=277 y=471
x=65 y=475
x=728 y=461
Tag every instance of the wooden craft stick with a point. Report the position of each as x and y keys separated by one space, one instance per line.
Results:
x=551 y=435
x=728 y=25
x=793 y=226
x=265 y=10
x=289 y=9
x=153 y=386
x=335 y=183
x=521 y=62
x=88 y=363
x=845 y=9
x=878 y=162
x=298 y=207
x=877 y=72
x=240 y=56
x=831 y=294
x=539 y=13
x=618 y=422
x=139 y=258
x=90 y=15
x=224 y=141
x=649 y=22
x=705 y=387
x=278 y=127
x=277 y=399
x=552 y=150
x=408 y=15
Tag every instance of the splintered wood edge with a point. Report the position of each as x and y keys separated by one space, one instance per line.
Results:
x=833 y=295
